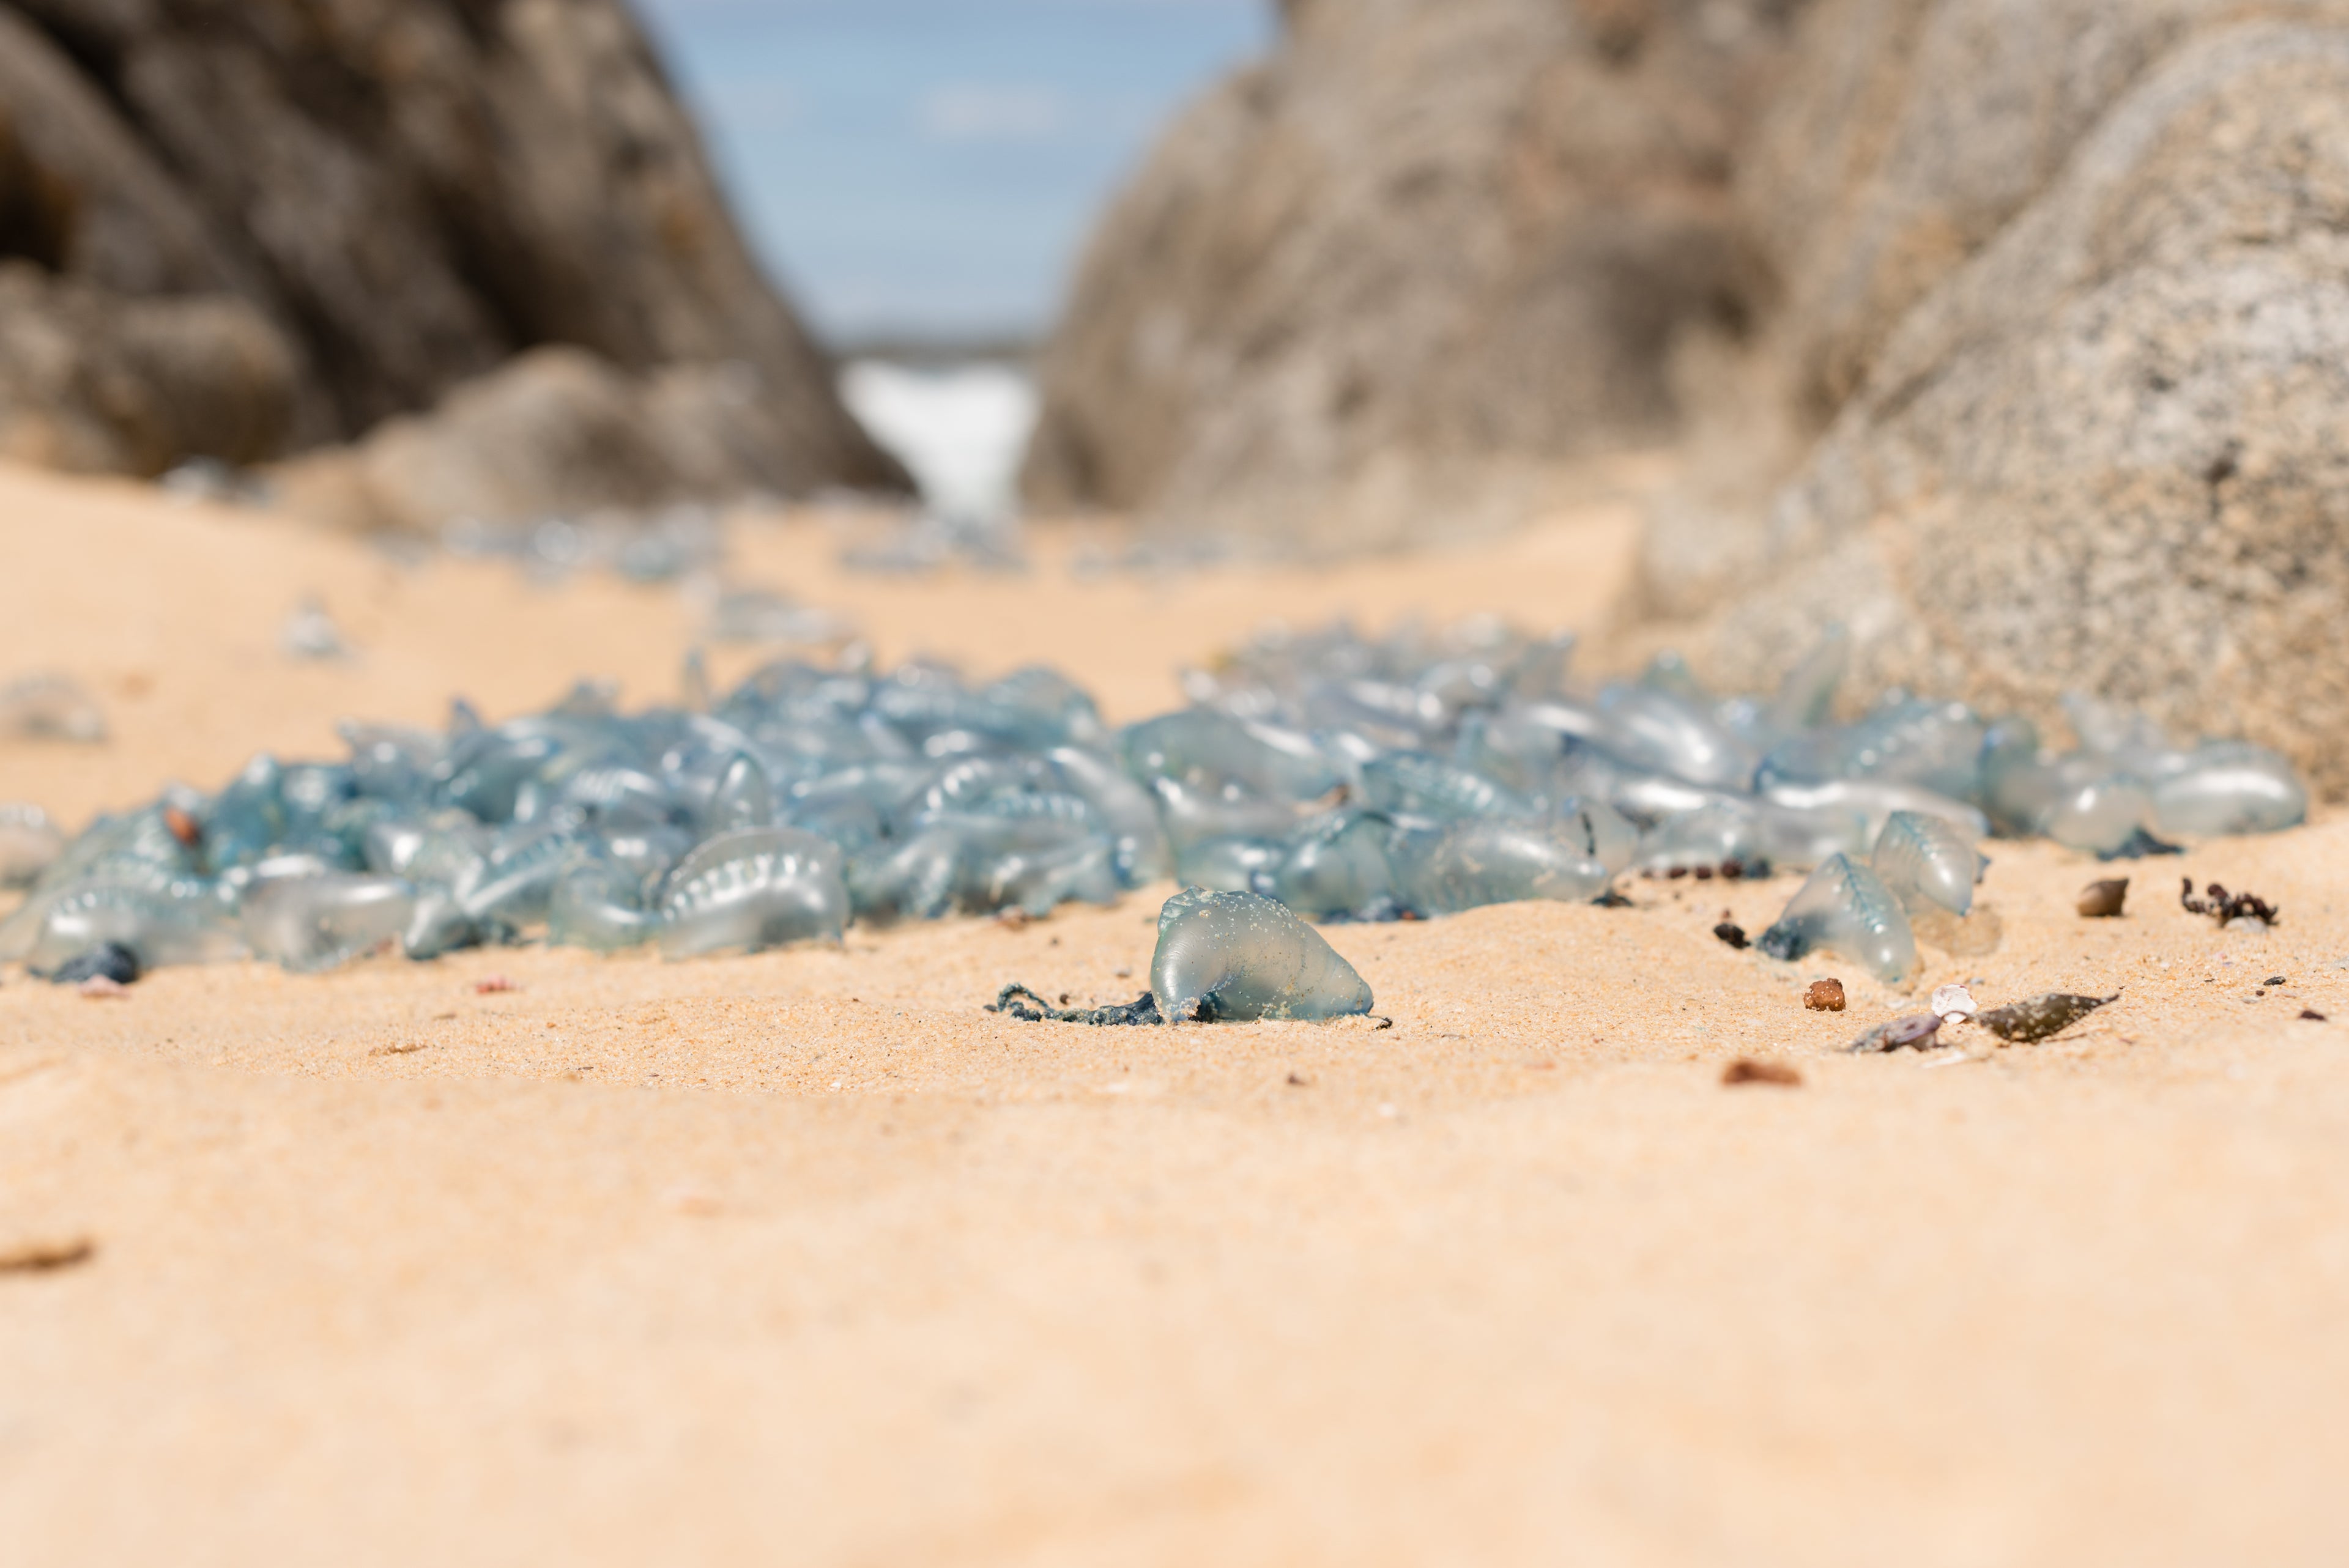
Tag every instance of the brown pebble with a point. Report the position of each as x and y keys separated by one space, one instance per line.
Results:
x=1704 y=873
x=2311 y=1014
x=2103 y=900
x=1745 y=1070
x=1730 y=932
x=1824 y=996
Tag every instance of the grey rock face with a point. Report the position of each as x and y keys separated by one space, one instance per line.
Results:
x=93 y=383
x=408 y=193
x=555 y=432
x=1376 y=287
x=2106 y=449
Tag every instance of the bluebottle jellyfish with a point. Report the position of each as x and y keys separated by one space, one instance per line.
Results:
x=29 y=844
x=1845 y=908
x=1468 y=864
x=315 y=921
x=50 y=708
x=1415 y=773
x=1337 y=866
x=1239 y=957
x=750 y=889
x=1927 y=862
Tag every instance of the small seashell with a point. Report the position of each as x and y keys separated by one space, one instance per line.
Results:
x=2039 y=1017
x=1953 y=1002
x=2103 y=900
x=1913 y=1031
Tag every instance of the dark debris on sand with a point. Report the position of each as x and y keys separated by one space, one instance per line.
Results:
x=1030 y=1007
x=2138 y=845
x=2223 y=906
x=47 y=1257
x=107 y=961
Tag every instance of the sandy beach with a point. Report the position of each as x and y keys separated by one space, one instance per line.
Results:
x=804 y=1258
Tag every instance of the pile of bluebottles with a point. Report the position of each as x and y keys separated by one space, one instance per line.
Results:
x=1349 y=778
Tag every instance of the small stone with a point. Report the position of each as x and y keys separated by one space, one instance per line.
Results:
x=2311 y=1014
x=1824 y=997
x=183 y=826
x=700 y=1202
x=1733 y=933
x=1745 y=1070
x=2103 y=900
x=2273 y=980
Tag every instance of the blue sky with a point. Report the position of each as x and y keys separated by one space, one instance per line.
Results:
x=934 y=166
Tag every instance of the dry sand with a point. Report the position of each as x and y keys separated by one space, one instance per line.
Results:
x=803 y=1258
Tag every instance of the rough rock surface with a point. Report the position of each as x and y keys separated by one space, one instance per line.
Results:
x=408 y=193
x=555 y=432
x=1377 y=287
x=92 y=382
x=1904 y=137
x=2106 y=448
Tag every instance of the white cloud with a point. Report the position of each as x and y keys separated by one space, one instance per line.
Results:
x=994 y=113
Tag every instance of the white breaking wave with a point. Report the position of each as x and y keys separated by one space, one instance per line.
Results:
x=960 y=430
